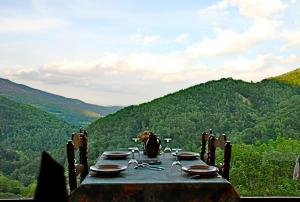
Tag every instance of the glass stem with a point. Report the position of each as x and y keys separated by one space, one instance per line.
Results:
x=132 y=151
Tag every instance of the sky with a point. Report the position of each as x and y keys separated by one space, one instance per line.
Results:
x=124 y=52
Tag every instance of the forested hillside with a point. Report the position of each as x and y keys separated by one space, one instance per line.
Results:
x=246 y=112
x=265 y=169
x=25 y=132
x=73 y=111
x=261 y=119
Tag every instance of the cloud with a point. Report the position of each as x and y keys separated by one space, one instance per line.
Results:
x=215 y=13
x=150 y=39
x=267 y=24
x=263 y=66
x=114 y=76
x=228 y=41
x=253 y=9
x=16 y=25
x=145 y=67
x=292 y=38
x=219 y=5
x=146 y=40
x=259 y=9
x=181 y=38
x=214 y=8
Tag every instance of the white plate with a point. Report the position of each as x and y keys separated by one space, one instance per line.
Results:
x=108 y=168
x=198 y=170
x=116 y=154
x=186 y=155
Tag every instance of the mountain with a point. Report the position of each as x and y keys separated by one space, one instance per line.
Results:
x=264 y=113
x=246 y=112
x=25 y=132
x=261 y=120
x=292 y=77
x=74 y=111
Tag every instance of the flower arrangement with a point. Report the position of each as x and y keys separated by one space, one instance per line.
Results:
x=143 y=136
x=151 y=143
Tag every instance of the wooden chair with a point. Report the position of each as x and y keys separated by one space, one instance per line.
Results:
x=78 y=141
x=210 y=156
x=204 y=139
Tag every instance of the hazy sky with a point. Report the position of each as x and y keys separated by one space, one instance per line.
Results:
x=121 y=52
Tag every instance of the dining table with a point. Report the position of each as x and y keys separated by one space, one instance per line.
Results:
x=147 y=184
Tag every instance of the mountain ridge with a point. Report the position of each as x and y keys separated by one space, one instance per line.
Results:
x=72 y=110
x=292 y=77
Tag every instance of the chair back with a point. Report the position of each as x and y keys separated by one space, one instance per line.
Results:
x=78 y=142
x=204 y=141
x=210 y=157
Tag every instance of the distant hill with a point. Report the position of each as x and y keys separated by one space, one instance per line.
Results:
x=73 y=111
x=246 y=112
x=25 y=132
x=292 y=77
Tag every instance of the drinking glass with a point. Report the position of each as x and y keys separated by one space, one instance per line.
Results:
x=136 y=149
x=135 y=139
x=176 y=165
x=132 y=162
x=167 y=148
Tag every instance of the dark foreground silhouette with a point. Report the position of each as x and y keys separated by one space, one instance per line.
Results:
x=51 y=181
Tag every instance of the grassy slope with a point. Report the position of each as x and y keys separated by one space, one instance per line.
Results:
x=292 y=77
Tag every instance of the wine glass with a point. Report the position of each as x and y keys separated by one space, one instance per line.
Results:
x=176 y=165
x=136 y=149
x=132 y=161
x=167 y=148
x=135 y=139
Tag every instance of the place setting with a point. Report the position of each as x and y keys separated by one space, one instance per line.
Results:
x=107 y=169
x=111 y=168
x=114 y=167
x=198 y=170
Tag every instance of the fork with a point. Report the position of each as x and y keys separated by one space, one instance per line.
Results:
x=146 y=165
